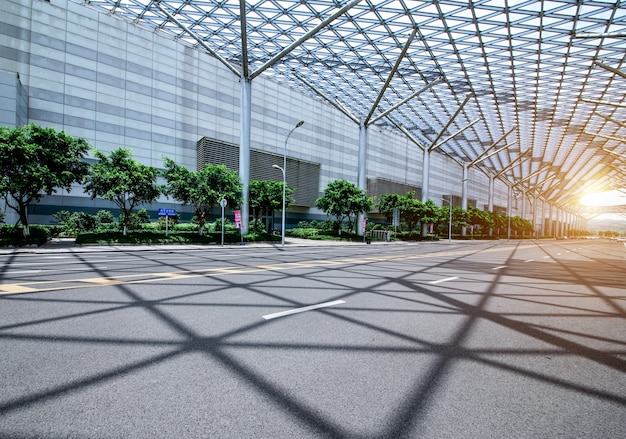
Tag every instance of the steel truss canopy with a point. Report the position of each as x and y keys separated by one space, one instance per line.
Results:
x=551 y=74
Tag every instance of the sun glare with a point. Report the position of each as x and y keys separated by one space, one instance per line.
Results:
x=610 y=198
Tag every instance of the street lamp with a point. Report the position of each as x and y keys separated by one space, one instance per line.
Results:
x=283 y=212
x=284 y=171
x=449 y=200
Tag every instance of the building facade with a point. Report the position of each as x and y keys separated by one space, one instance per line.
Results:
x=116 y=84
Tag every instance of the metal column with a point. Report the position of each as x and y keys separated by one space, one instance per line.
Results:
x=464 y=194
x=362 y=170
x=425 y=178
x=490 y=201
x=244 y=151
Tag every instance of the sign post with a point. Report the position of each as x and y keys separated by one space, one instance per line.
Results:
x=364 y=224
x=238 y=224
x=166 y=213
x=223 y=204
x=396 y=221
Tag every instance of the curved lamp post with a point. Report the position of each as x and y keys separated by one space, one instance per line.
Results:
x=284 y=171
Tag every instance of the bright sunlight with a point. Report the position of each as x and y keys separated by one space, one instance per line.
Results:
x=610 y=198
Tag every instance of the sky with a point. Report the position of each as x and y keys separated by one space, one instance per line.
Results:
x=609 y=198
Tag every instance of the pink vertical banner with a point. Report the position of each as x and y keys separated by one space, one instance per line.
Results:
x=431 y=228
x=238 y=218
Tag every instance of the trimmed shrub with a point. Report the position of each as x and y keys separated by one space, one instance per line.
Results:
x=188 y=227
x=13 y=236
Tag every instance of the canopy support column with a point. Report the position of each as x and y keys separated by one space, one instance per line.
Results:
x=490 y=201
x=362 y=171
x=464 y=194
x=244 y=151
x=425 y=178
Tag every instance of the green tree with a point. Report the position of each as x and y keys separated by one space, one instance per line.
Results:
x=202 y=189
x=36 y=161
x=344 y=200
x=479 y=218
x=124 y=181
x=521 y=225
x=430 y=212
x=267 y=195
x=386 y=204
x=500 y=222
x=459 y=217
x=413 y=210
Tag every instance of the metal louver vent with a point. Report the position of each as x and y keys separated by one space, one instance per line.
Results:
x=303 y=176
x=378 y=186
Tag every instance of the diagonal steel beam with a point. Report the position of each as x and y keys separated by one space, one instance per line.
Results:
x=600 y=35
x=614 y=153
x=303 y=38
x=610 y=69
x=537 y=172
x=548 y=193
x=619 y=139
x=199 y=40
x=332 y=102
x=621 y=172
x=480 y=158
x=456 y=113
x=432 y=148
x=504 y=136
x=591 y=101
x=408 y=134
x=513 y=162
x=542 y=182
x=404 y=101
x=610 y=119
x=390 y=77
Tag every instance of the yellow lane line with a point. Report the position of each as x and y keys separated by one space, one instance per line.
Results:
x=39 y=286
x=16 y=289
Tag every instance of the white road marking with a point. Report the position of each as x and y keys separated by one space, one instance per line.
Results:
x=81 y=269
x=546 y=257
x=529 y=260
x=21 y=264
x=499 y=267
x=56 y=269
x=442 y=280
x=24 y=272
x=303 y=309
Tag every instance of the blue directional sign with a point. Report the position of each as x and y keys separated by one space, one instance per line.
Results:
x=166 y=212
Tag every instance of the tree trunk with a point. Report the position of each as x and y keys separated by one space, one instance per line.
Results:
x=201 y=217
x=24 y=220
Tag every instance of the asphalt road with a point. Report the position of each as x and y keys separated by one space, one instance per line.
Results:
x=435 y=340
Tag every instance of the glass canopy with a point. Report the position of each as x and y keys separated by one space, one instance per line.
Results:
x=540 y=84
